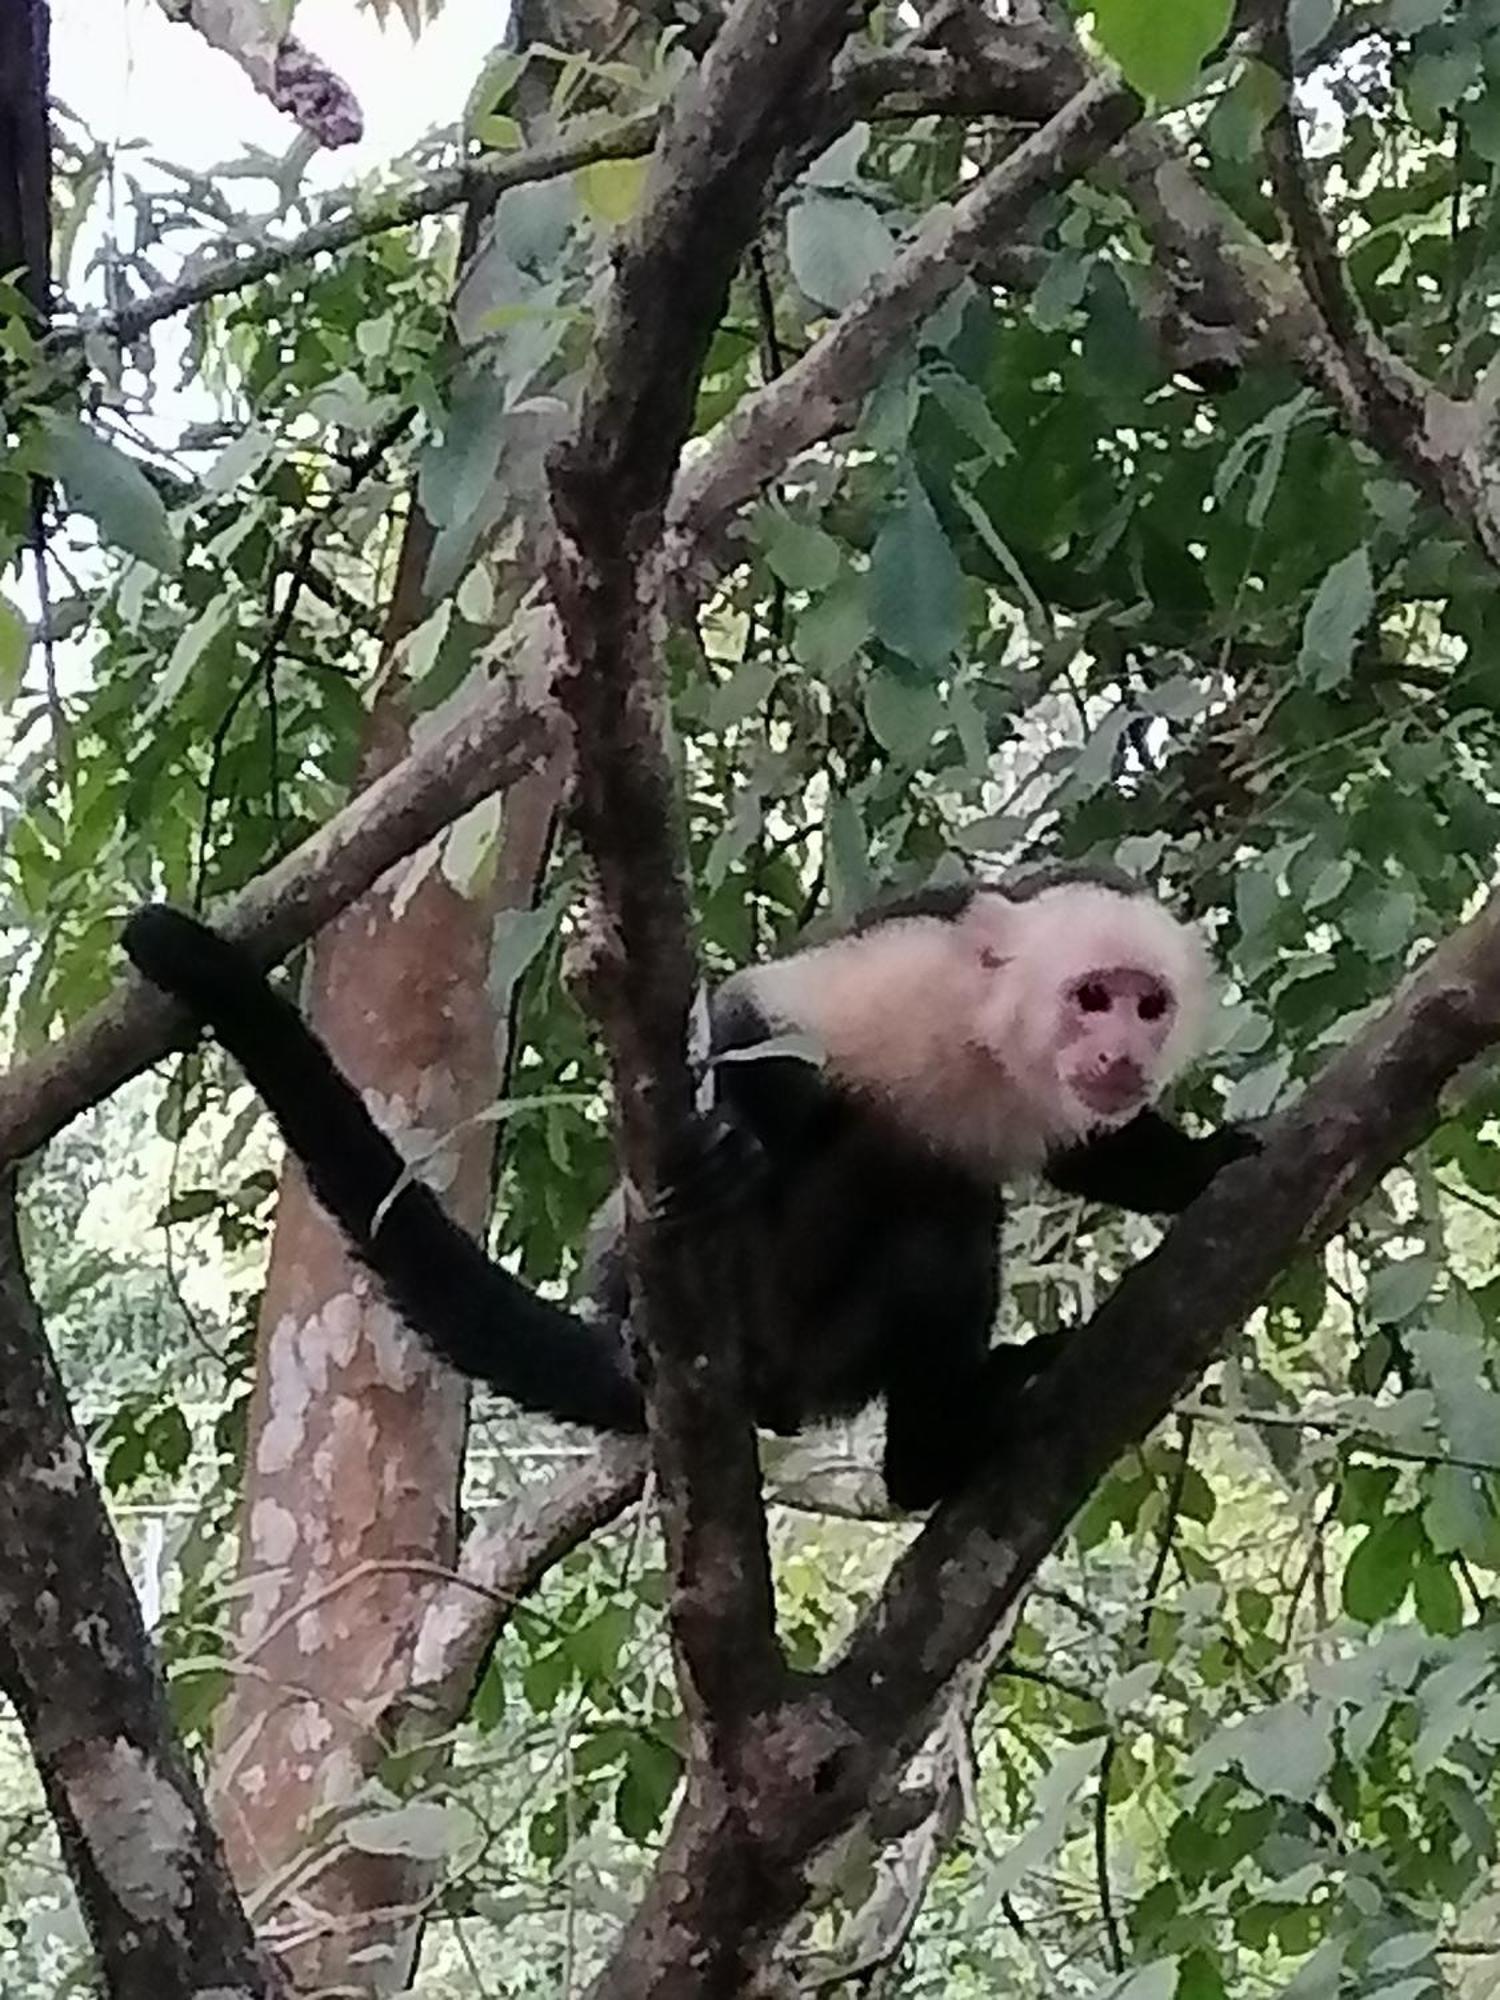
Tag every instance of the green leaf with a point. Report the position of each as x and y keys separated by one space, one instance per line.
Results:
x=1239 y=119
x=191 y=645
x=241 y=457
x=1379 y=1572
x=110 y=488
x=831 y=631
x=1160 y=49
x=835 y=246
x=1396 y=1290
x=905 y=716
x=652 y=1769
x=1458 y=1518
x=1435 y=1596
x=611 y=189
x=1287 y=1752
x=803 y=555
x=1307 y=22
x=1339 y=612
x=15 y=647
x=916 y=585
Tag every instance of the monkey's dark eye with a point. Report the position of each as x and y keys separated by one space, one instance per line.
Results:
x=991 y=959
x=1152 y=1006
x=1093 y=997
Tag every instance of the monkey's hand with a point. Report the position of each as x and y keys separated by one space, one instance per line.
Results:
x=719 y=1166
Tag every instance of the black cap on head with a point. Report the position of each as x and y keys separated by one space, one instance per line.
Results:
x=1029 y=882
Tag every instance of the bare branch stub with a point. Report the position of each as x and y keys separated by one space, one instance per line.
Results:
x=76 y=1662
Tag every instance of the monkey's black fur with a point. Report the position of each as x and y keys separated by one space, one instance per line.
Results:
x=883 y=1257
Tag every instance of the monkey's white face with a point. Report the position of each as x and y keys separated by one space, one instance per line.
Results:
x=1113 y=1025
x=1018 y=1028
x=1093 y=1001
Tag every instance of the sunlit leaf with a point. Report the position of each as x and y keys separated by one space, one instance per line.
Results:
x=1161 y=49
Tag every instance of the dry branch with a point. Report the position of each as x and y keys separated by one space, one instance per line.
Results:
x=253 y=34
x=503 y=737
x=76 y=1662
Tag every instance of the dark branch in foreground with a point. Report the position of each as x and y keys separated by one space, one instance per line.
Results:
x=77 y=1664
x=762 y=87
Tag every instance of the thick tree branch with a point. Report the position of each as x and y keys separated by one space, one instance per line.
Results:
x=824 y=391
x=506 y=735
x=762 y=86
x=1165 y=1322
x=76 y=1662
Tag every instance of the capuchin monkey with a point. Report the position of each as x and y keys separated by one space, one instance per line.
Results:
x=964 y=1036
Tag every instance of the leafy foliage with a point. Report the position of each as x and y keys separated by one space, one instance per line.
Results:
x=1052 y=592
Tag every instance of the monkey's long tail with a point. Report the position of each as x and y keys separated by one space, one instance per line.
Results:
x=473 y=1314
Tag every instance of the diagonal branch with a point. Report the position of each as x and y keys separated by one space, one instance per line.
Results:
x=823 y=392
x=1166 y=1321
x=475 y=181
x=888 y=84
x=506 y=735
x=76 y=1662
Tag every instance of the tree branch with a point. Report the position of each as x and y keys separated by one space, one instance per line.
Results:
x=503 y=1561
x=76 y=1661
x=908 y=83
x=823 y=392
x=506 y=735
x=481 y=179
x=1165 y=1322
x=762 y=86
x=284 y=70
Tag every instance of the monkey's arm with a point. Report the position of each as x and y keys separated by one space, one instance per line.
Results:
x=1150 y=1166
x=475 y=1315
